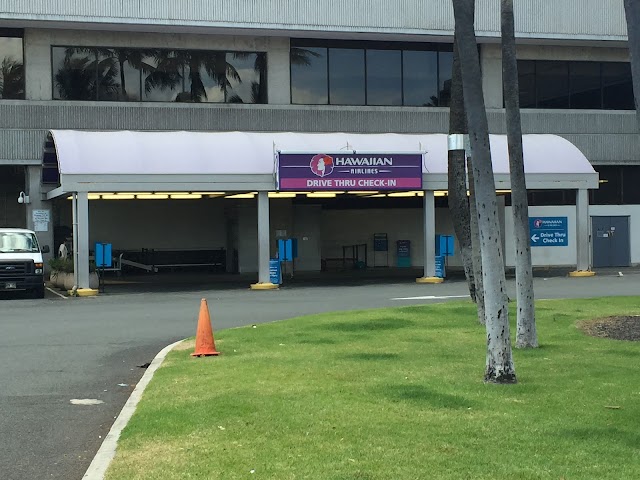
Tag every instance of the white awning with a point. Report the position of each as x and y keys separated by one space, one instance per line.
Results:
x=244 y=161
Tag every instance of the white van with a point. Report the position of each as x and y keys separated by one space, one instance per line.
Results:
x=21 y=265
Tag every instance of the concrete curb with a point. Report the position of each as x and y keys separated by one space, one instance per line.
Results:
x=107 y=451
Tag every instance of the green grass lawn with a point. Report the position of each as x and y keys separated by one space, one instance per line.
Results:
x=393 y=394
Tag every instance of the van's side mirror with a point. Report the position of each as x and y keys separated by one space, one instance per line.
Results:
x=45 y=249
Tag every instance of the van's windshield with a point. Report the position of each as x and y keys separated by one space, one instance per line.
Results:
x=18 y=242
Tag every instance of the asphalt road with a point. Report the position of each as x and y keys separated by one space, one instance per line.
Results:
x=55 y=350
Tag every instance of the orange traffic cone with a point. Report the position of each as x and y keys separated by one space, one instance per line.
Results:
x=205 y=344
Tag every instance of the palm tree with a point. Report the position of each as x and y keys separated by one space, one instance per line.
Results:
x=11 y=79
x=499 y=359
x=526 y=336
x=457 y=177
x=632 y=10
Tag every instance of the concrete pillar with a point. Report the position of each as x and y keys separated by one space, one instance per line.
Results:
x=44 y=230
x=429 y=240
x=37 y=52
x=82 y=250
x=500 y=200
x=264 y=282
x=491 y=60
x=582 y=230
x=74 y=217
x=279 y=72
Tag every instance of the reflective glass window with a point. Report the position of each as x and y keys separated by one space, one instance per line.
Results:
x=74 y=73
x=246 y=74
x=552 y=84
x=119 y=74
x=384 y=77
x=206 y=76
x=309 y=76
x=609 y=191
x=164 y=78
x=346 y=76
x=445 y=69
x=630 y=182
x=420 y=78
x=586 y=88
x=11 y=68
x=158 y=75
x=617 y=91
x=527 y=83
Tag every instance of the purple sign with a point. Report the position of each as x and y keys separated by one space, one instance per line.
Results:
x=349 y=171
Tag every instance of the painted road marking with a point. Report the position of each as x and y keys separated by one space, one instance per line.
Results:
x=432 y=297
x=86 y=401
x=56 y=293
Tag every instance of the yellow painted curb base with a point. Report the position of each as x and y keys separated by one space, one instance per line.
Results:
x=264 y=286
x=83 y=292
x=429 y=280
x=582 y=273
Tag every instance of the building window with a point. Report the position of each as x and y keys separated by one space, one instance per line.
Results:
x=618 y=185
x=11 y=65
x=158 y=75
x=370 y=73
x=576 y=85
x=346 y=76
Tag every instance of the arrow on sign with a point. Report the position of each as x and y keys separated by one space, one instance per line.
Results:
x=535 y=238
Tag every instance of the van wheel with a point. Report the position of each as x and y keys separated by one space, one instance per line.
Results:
x=38 y=292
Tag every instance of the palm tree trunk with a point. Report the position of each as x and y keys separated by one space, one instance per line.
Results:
x=526 y=335
x=632 y=9
x=476 y=255
x=458 y=201
x=499 y=361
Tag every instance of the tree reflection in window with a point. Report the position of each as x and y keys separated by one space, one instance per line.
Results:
x=11 y=68
x=86 y=73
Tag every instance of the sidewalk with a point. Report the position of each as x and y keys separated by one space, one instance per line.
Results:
x=193 y=281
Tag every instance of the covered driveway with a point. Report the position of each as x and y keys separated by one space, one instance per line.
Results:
x=87 y=162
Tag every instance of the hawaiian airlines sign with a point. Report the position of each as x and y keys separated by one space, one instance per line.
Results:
x=338 y=171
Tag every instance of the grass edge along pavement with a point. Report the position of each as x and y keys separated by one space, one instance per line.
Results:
x=392 y=393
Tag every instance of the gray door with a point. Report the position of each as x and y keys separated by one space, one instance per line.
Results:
x=611 y=243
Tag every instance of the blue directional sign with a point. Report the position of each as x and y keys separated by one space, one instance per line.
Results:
x=549 y=231
x=441 y=268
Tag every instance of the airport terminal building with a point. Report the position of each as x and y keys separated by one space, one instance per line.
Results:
x=194 y=132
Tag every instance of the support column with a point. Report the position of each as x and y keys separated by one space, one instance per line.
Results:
x=429 y=240
x=264 y=282
x=502 y=217
x=582 y=235
x=74 y=217
x=44 y=230
x=82 y=248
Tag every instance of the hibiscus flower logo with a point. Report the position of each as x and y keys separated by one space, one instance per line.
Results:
x=321 y=165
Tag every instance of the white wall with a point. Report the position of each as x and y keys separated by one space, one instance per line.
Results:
x=159 y=224
x=545 y=256
x=248 y=236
